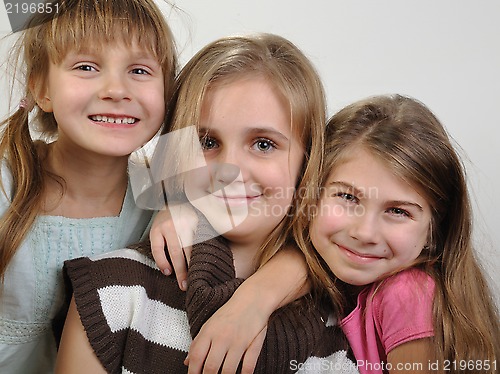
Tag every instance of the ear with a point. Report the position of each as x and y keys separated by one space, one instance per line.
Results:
x=40 y=93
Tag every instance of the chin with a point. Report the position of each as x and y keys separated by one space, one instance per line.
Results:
x=354 y=280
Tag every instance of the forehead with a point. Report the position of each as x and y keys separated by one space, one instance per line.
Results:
x=103 y=44
x=133 y=50
x=365 y=171
x=251 y=101
x=99 y=44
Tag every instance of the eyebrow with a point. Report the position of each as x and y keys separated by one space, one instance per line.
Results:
x=357 y=191
x=268 y=130
x=349 y=186
x=405 y=203
x=142 y=54
x=139 y=54
x=251 y=131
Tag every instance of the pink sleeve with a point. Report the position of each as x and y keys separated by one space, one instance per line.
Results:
x=402 y=308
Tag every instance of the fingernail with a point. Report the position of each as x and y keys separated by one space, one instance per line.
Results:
x=166 y=271
x=184 y=285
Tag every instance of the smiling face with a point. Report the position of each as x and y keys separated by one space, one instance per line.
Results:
x=107 y=101
x=253 y=160
x=370 y=222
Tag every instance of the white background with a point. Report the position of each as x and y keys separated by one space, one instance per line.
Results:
x=446 y=53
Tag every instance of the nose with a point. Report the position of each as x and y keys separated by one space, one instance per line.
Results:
x=364 y=227
x=226 y=173
x=114 y=87
x=229 y=163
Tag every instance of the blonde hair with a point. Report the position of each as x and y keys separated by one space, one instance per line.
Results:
x=47 y=38
x=284 y=66
x=405 y=135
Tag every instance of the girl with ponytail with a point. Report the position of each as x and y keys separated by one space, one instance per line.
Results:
x=96 y=77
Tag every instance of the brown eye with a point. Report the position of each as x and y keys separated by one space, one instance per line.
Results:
x=347 y=197
x=208 y=143
x=140 y=71
x=85 y=68
x=399 y=212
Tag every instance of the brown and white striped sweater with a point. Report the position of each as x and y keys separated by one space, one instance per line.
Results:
x=138 y=321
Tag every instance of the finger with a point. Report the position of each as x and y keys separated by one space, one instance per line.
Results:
x=252 y=353
x=232 y=360
x=178 y=259
x=158 y=251
x=197 y=354
x=214 y=360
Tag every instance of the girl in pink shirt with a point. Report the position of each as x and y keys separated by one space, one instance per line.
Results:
x=392 y=238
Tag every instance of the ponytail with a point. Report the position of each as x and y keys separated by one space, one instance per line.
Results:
x=19 y=153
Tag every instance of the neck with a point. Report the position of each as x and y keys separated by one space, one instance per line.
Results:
x=351 y=293
x=94 y=185
x=244 y=258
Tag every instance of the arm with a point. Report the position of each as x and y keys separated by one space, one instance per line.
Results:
x=413 y=356
x=174 y=226
x=402 y=315
x=237 y=328
x=279 y=282
x=75 y=354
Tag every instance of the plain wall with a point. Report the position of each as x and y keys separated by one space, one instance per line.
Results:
x=445 y=53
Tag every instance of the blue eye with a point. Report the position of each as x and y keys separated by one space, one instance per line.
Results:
x=264 y=145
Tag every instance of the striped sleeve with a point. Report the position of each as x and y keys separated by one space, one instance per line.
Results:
x=133 y=315
x=294 y=332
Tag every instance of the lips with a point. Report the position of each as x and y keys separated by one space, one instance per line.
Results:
x=236 y=197
x=235 y=193
x=357 y=256
x=234 y=200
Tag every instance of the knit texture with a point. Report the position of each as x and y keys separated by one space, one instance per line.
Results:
x=33 y=288
x=295 y=332
x=138 y=320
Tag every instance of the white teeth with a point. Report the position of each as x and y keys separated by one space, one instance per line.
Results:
x=119 y=121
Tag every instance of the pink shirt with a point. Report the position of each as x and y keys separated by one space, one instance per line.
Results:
x=399 y=312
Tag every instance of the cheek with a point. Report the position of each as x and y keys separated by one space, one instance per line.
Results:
x=160 y=102
x=408 y=245
x=330 y=217
x=321 y=242
x=297 y=163
x=155 y=97
x=314 y=234
x=159 y=112
x=196 y=183
x=278 y=184
x=322 y=227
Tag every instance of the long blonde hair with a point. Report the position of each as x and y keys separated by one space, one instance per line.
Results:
x=47 y=38
x=283 y=65
x=405 y=135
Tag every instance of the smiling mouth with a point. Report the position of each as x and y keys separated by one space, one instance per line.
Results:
x=236 y=197
x=235 y=200
x=113 y=120
x=358 y=257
